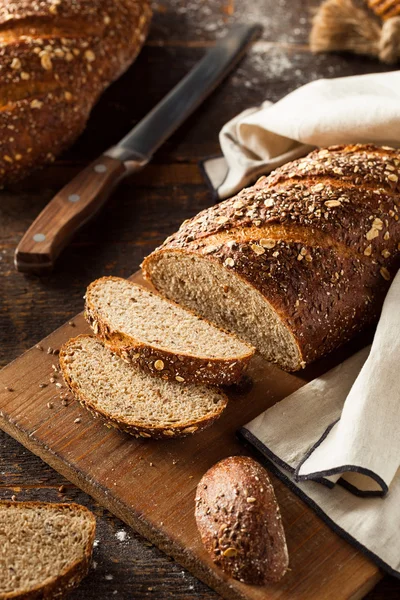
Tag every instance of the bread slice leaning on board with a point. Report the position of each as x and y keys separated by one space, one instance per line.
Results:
x=56 y=60
x=46 y=548
x=129 y=399
x=298 y=263
x=162 y=338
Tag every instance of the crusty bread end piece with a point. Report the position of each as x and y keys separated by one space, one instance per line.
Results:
x=239 y=521
x=131 y=400
x=46 y=548
x=164 y=339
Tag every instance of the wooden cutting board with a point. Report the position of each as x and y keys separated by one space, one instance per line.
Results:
x=151 y=485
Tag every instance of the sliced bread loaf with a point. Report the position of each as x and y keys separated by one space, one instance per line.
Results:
x=131 y=400
x=45 y=548
x=163 y=338
x=297 y=264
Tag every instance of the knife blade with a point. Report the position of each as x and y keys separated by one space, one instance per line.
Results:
x=84 y=196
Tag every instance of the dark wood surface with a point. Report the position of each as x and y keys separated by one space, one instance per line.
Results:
x=145 y=209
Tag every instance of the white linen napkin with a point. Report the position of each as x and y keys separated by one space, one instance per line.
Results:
x=344 y=427
x=359 y=109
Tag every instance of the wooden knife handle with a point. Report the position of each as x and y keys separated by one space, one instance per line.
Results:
x=73 y=206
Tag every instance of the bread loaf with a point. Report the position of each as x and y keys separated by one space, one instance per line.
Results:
x=45 y=548
x=239 y=521
x=129 y=399
x=162 y=338
x=56 y=58
x=298 y=263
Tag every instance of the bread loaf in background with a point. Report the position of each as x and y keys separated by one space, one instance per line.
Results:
x=298 y=263
x=56 y=58
x=239 y=521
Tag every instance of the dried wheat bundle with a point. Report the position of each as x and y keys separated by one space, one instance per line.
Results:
x=369 y=27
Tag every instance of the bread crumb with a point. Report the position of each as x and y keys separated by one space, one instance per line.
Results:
x=121 y=535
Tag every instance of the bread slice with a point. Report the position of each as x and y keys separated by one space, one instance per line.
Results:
x=131 y=400
x=163 y=338
x=45 y=548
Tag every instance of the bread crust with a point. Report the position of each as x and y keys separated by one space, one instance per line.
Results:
x=57 y=58
x=172 y=365
x=58 y=586
x=136 y=430
x=318 y=239
x=239 y=521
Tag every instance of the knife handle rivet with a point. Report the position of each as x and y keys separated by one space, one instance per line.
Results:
x=100 y=168
x=39 y=237
x=74 y=197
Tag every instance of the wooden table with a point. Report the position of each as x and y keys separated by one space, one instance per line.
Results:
x=144 y=210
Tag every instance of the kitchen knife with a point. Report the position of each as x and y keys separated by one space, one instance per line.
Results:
x=80 y=199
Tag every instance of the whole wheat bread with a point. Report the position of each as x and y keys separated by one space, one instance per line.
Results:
x=45 y=548
x=130 y=399
x=57 y=57
x=298 y=263
x=161 y=337
x=239 y=521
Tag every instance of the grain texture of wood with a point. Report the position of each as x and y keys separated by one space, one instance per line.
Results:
x=151 y=485
x=147 y=207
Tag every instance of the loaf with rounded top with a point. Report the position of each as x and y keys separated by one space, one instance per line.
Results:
x=299 y=262
x=239 y=521
x=56 y=58
x=162 y=338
